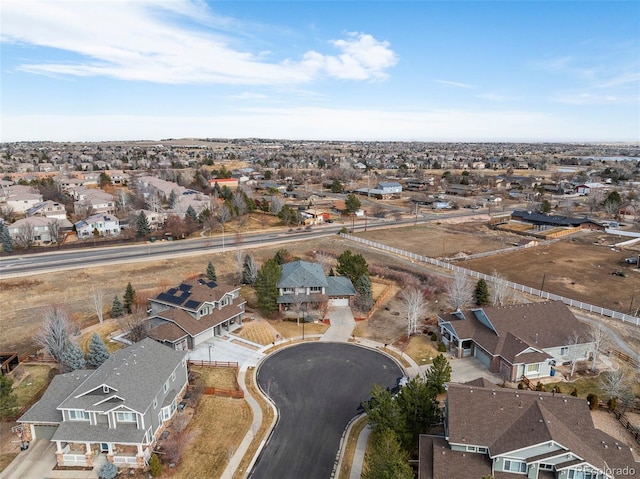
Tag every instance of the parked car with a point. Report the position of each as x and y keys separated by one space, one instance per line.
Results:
x=632 y=260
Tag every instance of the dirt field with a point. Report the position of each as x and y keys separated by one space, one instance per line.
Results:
x=577 y=266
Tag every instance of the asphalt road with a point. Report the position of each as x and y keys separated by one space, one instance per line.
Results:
x=317 y=388
x=29 y=264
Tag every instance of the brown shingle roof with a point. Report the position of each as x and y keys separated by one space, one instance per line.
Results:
x=538 y=325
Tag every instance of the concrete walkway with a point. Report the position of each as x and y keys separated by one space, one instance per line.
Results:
x=358 y=455
x=342 y=324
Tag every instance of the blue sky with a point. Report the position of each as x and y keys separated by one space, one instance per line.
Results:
x=86 y=70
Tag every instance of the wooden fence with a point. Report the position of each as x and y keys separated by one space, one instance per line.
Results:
x=626 y=358
x=211 y=391
x=213 y=364
x=635 y=432
x=381 y=298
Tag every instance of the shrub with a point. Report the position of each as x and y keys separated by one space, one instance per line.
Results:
x=612 y=404
x=540 y=387
x=592 y=399
x=434 y=337
x=108 y=471
x=155 y=465
x=521 y=385
x=574 y=393
x=441 y=347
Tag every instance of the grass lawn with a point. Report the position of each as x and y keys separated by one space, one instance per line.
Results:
x=36 y=376
x=218 y=427
x=223 y=378
x=290 y=329
x=267 y=418
x=104 y=330
x=585 y=386
x=421 y=349
x=350 y=448
x=5 y=459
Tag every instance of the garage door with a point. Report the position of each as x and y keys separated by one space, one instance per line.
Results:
x=339 y=302
x=44 y=432
x=482 y=356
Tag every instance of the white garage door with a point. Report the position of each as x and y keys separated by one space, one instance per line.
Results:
x=339 y=302
x=44 y=432
x=482 y=356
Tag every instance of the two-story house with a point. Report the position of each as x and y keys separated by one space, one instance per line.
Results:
x=193 y=312
x=117 y=410
x=509 y=433
x=50 y=209
x=517 y=340
x=105 y=225
x=304 y=284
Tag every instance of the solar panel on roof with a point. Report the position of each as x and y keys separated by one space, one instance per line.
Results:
x=191 y=304
x=169 y=298
x=172 y=291
x=184 y=287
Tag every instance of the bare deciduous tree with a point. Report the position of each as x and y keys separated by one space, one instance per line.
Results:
x=616 y=384
x=55 y=231
x=135 y=324
x=601 y=340
x=459 y=291
x=572 y=342
x=153 y=203
x=224 y=214
x=249 y=270
x=326 y=261
x=55 y=331
x=416 y=307
x=277 y=203
x=97 y=295
x=25 y=236
x=501 y=291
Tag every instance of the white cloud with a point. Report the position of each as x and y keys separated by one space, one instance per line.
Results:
x=145 y=40
x=587 y=98
x=250 y=96
x=320 y=124
x=454 y=83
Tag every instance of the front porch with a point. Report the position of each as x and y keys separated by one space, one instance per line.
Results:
x=91 y=454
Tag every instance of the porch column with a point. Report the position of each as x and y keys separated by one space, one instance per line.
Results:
x=140 y=460
x=460 y=352
x=59 y=454
x=89 y=455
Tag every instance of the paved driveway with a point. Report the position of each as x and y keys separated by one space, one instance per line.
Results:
x=225 y=348
x=342 y=324
x=317 y=387
x=468 y=369
x=34 y=463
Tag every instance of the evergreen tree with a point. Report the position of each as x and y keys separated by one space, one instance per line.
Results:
x=129 y=298
x=172 y=199
x=481 y=293
x=352 y=203
x=267 y=287
x=336 y=186
x=282 y=256
x=73 y=357
x=108 y=471
x=117 y=310
x=364 y=293
x=142 y=225
x=211 y=272
x=438 y=373
x=387 y=459
x=7 y=396
x=352 y=266
x=98 y=352
x=5 y=238
x=191 y=213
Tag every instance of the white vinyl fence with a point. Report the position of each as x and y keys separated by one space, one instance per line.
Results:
x=626 y=318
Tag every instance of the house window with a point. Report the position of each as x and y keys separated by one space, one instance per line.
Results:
x=533 y=368
x=78 y=415
x=515 y=466
x=546 y=467
x=126 y=417
x=564 y=350
x=472 y=448
x=483 y=450
x=315 y=289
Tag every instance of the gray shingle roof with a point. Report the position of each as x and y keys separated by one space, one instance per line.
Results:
x=302 y=273
x=339 y=286
x=78 y=431
x=136 y=374
x=45 y=410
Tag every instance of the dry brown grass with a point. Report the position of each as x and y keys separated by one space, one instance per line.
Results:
x=421 y=349
x=218 y=426
x=257 y=330
x=223 y=378
x=350 y=447
x=260 y=434
x=105 y=331
x=36 y=376
x=290 y=329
